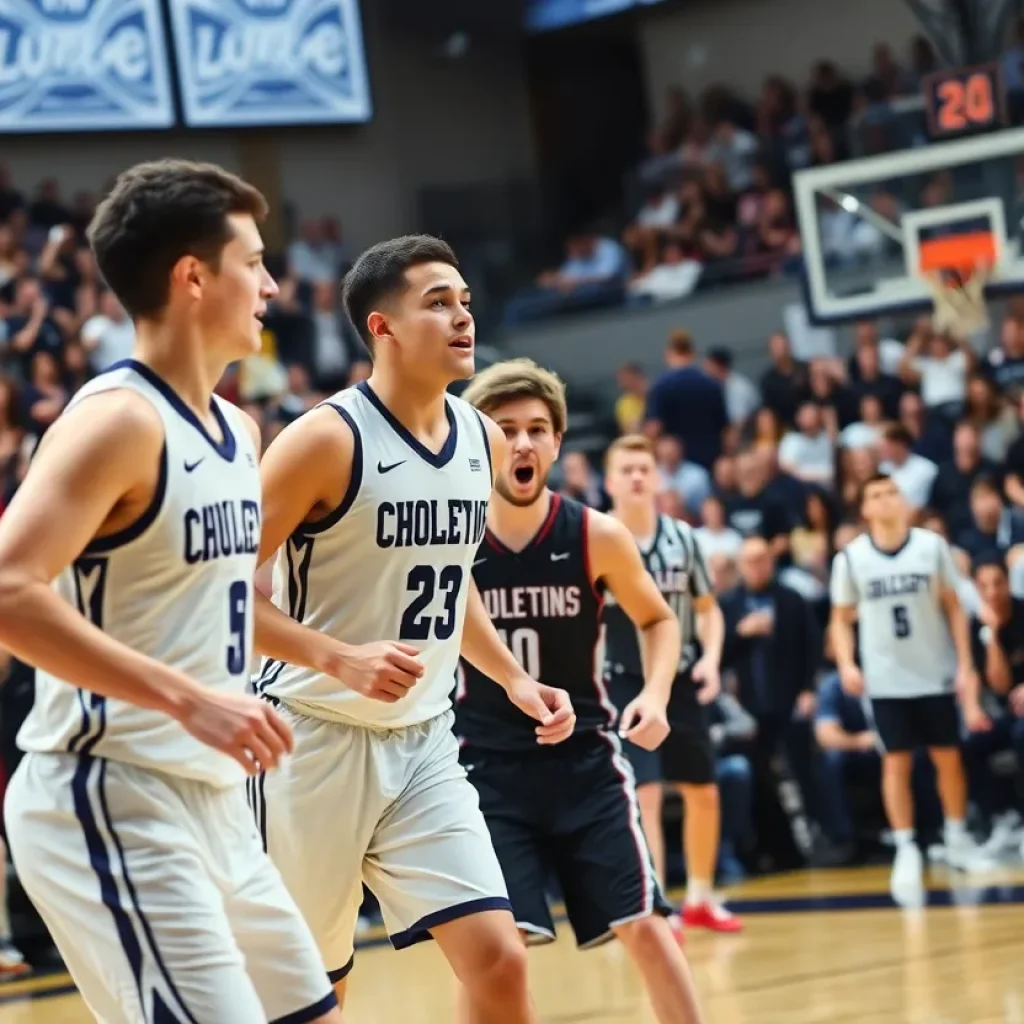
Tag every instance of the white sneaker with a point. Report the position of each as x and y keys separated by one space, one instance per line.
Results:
x=1006 y=834
x=906 y=884
x=965 y=855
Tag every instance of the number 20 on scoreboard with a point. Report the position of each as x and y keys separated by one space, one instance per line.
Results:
x=965 y=101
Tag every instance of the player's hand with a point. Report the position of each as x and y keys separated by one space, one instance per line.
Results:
x=975 y=719
x=240 y=725
x=548 y=705
x=644 y=722
x=383 y=671
x=706 y=673
x=1017 y=700
x=866 y=742
x=988 y=617
x=852 y=681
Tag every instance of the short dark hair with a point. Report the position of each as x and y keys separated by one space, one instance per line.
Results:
x=990 y=561
x=680 y=343
x=379 y=274
x=896 y=433
x=875 y=478
x=155 y=214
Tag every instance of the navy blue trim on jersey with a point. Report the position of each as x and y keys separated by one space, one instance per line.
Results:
x=354 y=481
x=342 y=972
x=438 y=460
x=309 y=1013
x=658 y=530
x=420 y=931
x=225 y=448
x=895 y=551
x=99 y=860
x=487 y=441
x=134 y=897
x=103 y=545
x=92 y=609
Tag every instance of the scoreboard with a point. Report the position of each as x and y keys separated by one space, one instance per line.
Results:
x=965 y=101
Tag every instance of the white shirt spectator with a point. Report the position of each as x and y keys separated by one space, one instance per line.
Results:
x=662 y=213
x=808 y=458
x=914 y=478
x=860 y=435
x=107 y=340
x=605 y=262
x=742 y=398
x=942 y=380
x=725 y=541
x=668 y=281
x=691 y=482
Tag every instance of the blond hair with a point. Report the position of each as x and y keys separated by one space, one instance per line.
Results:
x=516 y=379
x=628 y=443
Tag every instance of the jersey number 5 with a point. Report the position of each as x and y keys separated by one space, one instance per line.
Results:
x=900 y=621
x=425 y=581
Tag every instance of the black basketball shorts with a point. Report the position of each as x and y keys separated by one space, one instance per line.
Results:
x=906 y=724
x=687 y=756
x=568 y=814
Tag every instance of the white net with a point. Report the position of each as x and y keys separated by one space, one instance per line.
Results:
x=960 y=308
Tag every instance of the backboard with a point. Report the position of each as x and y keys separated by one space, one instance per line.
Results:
x=872 y=228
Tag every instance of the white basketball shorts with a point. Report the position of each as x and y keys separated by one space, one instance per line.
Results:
x=159 y=896
x=393 y=808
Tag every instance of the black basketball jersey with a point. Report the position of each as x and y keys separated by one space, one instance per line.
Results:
x=673 y=558
x=548 y=611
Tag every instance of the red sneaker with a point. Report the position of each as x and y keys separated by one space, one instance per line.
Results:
x=712 y=916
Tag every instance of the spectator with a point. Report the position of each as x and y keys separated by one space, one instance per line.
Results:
x=714 y=535
x=808 y=453
x=109 y=335
x=688 y=404
x=888 y=351
x=951 y=489
x=930 y=435
x=866 y=432
x=630 y=405
x=753 y=512
x=997 y=640
x=939 y=363
x=785 y=385
x=741 y=395
x=764 y=430
x=811 y=541
x=912 y=474
x=28 y=327
x=996 y=423
x=994 y=529
x=581 y=481
x=732 y=732
x=691 y=482
x=868 y=377
x=11 y=438
x=1005 y=363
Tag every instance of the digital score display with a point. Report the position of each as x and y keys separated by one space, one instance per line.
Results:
x=966 y=101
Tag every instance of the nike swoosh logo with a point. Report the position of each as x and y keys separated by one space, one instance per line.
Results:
x=190 y=466
x=560 y=558
x=381 y=468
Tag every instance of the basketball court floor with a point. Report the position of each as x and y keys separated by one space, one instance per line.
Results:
x=826 y=947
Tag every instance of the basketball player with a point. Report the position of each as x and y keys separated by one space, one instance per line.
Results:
x=378 y=500
x=686 y=760
x=127 y=816
x=915 y=651
x=570 y=810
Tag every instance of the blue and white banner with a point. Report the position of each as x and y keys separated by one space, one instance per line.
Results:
x=83 y=65
x=270 y=62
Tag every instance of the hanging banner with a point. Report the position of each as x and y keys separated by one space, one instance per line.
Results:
x=83 y=65
x=270 y=62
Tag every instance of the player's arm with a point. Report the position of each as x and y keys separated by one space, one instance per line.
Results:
x=82 y=475
x=615 y=559
x=482 y=647
x=305 y=474
x=998 y=673
x=844 y=615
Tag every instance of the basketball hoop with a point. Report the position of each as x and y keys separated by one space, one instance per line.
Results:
x=956 y=269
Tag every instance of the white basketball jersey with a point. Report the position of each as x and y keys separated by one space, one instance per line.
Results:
x=905 y=646
x=176 y=586
x=392 y=562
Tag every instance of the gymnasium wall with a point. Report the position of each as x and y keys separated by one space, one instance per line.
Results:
x=436 y=121
x=704 y=42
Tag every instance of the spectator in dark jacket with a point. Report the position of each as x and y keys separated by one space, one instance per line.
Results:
x=688 y=403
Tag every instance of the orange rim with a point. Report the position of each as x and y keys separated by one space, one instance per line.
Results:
x=962 y=253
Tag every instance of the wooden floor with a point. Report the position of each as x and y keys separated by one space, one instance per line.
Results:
x=825 y=947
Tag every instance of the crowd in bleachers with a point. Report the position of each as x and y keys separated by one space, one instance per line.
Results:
x=769 y=472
